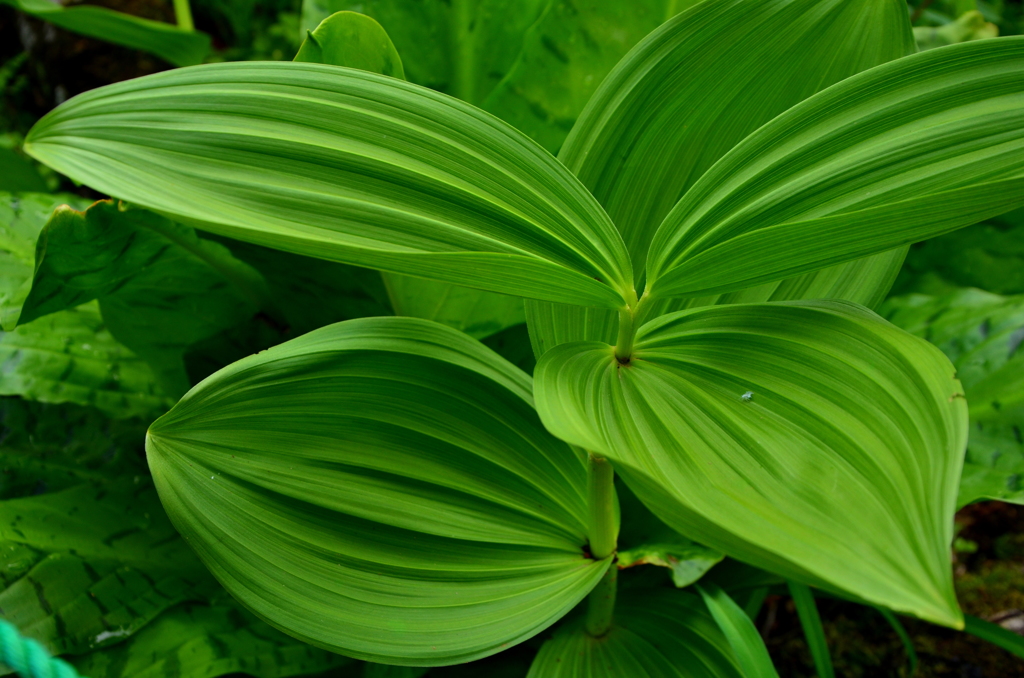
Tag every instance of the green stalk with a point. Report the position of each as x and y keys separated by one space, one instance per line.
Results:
x=183 y=15
x=630 y=318
x=601 y=603
x=603 y=537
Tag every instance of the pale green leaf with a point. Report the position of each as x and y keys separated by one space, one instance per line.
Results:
x=382 y=487
x=684 y=97
x=71 y=357
x=22 y=218
x=746 y=643
x=352 y=40
x=812 y=439
x=968 y=26
x=205 y=641
x=167 y=41
x=368 y=170
x=655 y=634
x=89 y=566
x=982 y=335
x=899 y=153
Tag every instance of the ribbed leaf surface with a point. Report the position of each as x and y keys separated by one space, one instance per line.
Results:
x=661 y=634
x=380 y=487
x=907 y=150
x=344 y=165
x=809 y=438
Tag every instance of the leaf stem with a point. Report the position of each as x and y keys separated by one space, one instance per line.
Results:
x=183 y=15
x=601 y=488
x=601 y=603
x=630 y=318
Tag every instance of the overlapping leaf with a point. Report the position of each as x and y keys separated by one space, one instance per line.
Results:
x=381 y=487
x=179 y=47
x=352 y=40
x=982 y=334
x=690 y=92
x=89 y=566
x=657 y=633
x=344 y=165
x=905 y=151
x=809 y=438
x=71 y=357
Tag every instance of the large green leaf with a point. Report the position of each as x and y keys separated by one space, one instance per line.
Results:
x=368 y=170
x=809 y=438
x=982 y=334
x=905 y=151
x=205 y=641
x=381 y=487
x=88 y=566
x=690 y=92
x=179 y=47
x=22 y=218
x=662 y=634
x=71 y=357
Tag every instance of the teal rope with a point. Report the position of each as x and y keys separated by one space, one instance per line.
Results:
x=28 y=658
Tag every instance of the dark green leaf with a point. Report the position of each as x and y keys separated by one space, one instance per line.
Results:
x=908 y=642
x=995 y=634
x=18 y=174
x=89 y=566
x=746 y=643
x=814 y=633
x=181 y=48
x=382 y=487
x=205 y=641
x=812 y=439
x=663 y=634
x=71 y=357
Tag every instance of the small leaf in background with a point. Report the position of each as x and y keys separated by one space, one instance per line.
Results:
x=90 y=565
x=381 y=486
x=989 y=256
x=46 y=448
x=161 y=287
x=811 y=439
x=746 y=642
x=352 y=40
x=814 y=632
x=968 y=26
x=645 y=540
x=22 y=217
x=170 y=43
x=513 y=344
x=655 y=634
x=982 y=334
x=71 y=357
x=204 y=641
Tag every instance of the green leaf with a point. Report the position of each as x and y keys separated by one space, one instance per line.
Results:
x=968 y=26
x=689 y=93
x=746 y=642
x=161 y=287
x=352 y=40
x=71 y=357
x=18 y=174
x=645 y=540
x=200 y=641
x=170 y=43
x=357 y=41
x=383 y=488
x=995 y=634
x=22 y=218
x=369 y=170
x=814 y=632
x=899 y=153
x=812 y=439
x=989 y=256
x=91 y=565
x=657 y=633
x=908 y=642
x=981 y=334
x=47 y=448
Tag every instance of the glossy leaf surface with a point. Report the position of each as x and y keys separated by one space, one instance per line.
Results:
x=181 y=48
x=381 y=487
x=71 y=357
x=661 y=634
x=908 y=150
x=89 y=566
x=205 y=641
x=369 y=170
x=982 y=334
x=808 y=438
